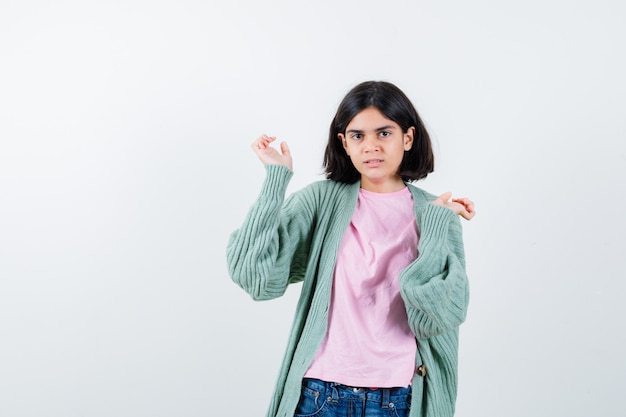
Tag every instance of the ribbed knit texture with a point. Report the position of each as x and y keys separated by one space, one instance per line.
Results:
x=282 y=242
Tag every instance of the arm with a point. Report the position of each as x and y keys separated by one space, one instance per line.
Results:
x=435 y=287
x=271 y=247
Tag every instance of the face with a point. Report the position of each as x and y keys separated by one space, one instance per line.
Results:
x=376 y=146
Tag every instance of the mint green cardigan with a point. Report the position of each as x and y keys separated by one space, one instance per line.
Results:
x=297 y=239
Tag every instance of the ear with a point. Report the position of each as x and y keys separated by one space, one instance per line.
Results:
x=408 y=138
x=342 y=138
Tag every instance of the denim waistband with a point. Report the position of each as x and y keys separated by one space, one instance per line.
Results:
x=336 y=391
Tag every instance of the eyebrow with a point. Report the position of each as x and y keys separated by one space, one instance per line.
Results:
x=387 y=127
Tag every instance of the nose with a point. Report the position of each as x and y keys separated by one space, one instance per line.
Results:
x=370 y=143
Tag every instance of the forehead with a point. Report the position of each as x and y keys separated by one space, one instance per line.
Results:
x=370 y=119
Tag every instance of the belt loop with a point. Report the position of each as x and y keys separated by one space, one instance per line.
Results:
x=335 y=391
x=385 y=398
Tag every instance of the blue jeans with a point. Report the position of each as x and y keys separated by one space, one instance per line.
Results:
x=329 y=399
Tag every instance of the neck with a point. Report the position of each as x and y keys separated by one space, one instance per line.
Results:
x=388 y=186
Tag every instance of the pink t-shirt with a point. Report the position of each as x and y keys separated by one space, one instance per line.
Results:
x=368 y=342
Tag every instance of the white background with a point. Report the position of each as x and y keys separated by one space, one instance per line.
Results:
x=125 y=163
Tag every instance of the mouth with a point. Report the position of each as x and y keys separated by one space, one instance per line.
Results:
x=373 y=162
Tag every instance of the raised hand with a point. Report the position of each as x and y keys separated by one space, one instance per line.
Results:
x=464 y=207
x=271 y=156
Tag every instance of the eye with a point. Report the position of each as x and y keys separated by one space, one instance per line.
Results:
x=384 y=133
x=357 y=136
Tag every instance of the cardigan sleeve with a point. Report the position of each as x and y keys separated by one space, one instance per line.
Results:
x=435 y=288
x=270 y=249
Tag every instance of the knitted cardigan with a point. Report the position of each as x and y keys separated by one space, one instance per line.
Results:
x=297 y=239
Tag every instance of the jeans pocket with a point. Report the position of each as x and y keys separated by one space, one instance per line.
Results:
x=312 y=404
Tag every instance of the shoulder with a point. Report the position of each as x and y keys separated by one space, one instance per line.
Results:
x=326 y=187
x=325 y=194
x=420 y=196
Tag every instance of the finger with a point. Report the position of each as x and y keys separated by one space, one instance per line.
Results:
x=466 y=202
x=263 y=141
x=258 y=142
x=468 y=215
x=467 y=211
x=284 y=148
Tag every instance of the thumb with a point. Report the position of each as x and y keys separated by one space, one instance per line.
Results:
x=284 y=148
x=445 y=196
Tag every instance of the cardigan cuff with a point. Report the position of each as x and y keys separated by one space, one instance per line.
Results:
x=275 y=183
x=436 y=221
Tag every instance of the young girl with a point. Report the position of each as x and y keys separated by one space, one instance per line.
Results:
x=381 y=262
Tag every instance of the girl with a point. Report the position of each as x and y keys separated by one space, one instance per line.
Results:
x=381 y=262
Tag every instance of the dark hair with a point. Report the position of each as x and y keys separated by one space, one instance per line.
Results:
x=417 y=162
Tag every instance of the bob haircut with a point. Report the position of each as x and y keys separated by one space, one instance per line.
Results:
x=417 y=162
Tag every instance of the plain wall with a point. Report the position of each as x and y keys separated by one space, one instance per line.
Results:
x=125 y=163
